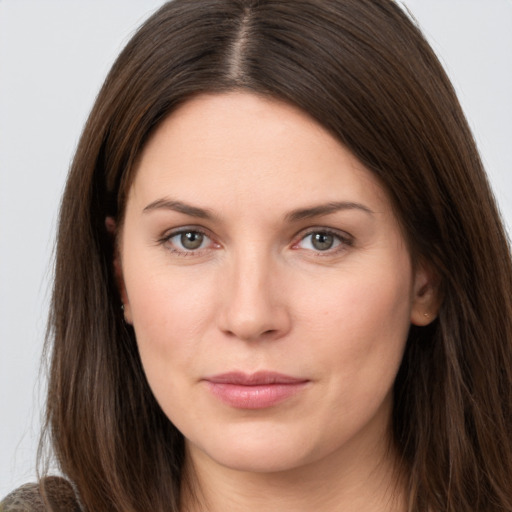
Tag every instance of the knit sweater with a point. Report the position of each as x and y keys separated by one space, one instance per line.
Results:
x=27 y=498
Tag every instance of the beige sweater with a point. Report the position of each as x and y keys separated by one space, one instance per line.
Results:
x=27 y=498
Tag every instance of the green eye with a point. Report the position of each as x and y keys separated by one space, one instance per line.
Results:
x=191 y=240
x=187 y=241
x=322 y=241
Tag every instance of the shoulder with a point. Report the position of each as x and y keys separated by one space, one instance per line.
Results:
x=29 y=498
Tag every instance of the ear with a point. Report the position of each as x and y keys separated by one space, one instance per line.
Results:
x=426 y=296
x=111 y=226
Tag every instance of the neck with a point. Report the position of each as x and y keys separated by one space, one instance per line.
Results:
x=368 y=483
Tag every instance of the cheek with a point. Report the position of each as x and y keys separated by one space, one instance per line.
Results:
x=360 y=323
x=170 y=311
x=170 y=314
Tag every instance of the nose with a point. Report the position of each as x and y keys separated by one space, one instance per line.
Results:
x=254 y=303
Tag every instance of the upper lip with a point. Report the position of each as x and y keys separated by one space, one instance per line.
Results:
x=253 y=379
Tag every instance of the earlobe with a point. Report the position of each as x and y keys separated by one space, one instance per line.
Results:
x=111 y=227
x=425 y=300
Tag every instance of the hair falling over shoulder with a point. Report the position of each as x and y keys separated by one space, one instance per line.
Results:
x=364 y=71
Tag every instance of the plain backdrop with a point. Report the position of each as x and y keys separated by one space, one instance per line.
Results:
x=54 y=55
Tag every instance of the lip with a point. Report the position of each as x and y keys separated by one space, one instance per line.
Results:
x=258 y=390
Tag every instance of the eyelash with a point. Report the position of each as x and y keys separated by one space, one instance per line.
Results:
x=344 y=240
x=166 y=239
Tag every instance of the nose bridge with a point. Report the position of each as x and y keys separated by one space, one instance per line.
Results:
x=252 y=306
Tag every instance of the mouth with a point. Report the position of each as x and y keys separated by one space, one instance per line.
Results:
x=258 y=390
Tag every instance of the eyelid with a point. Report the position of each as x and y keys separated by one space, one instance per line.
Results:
x=169 y=234
x=346 y=239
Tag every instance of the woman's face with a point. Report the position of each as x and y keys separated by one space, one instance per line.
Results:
x=269 y=286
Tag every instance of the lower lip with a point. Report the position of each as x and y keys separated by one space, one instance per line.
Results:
x=254 y=397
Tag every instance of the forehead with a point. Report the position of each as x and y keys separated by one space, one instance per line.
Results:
x=238 y=149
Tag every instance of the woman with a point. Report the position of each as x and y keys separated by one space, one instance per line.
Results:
x=281 y=279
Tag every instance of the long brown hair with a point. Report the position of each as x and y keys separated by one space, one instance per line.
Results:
x=364 y=71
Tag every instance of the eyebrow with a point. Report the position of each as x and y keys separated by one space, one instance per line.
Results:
x=293 y=216
x=325 y=209
x=179 y=206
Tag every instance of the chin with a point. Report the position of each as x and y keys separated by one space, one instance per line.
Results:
x=260 y=450
x=258 y=460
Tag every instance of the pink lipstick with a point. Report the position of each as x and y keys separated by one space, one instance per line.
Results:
x=254 y=391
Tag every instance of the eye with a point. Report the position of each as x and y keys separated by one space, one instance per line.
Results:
x=323 y=241
x=187 y=241
x=191 y=240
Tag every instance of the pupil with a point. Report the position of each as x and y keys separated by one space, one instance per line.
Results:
x=191 y=240
x=322 y=241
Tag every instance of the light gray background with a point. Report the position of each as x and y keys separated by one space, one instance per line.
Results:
x=53 y=57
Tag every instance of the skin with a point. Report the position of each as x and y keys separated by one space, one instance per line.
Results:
x=257 y=294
